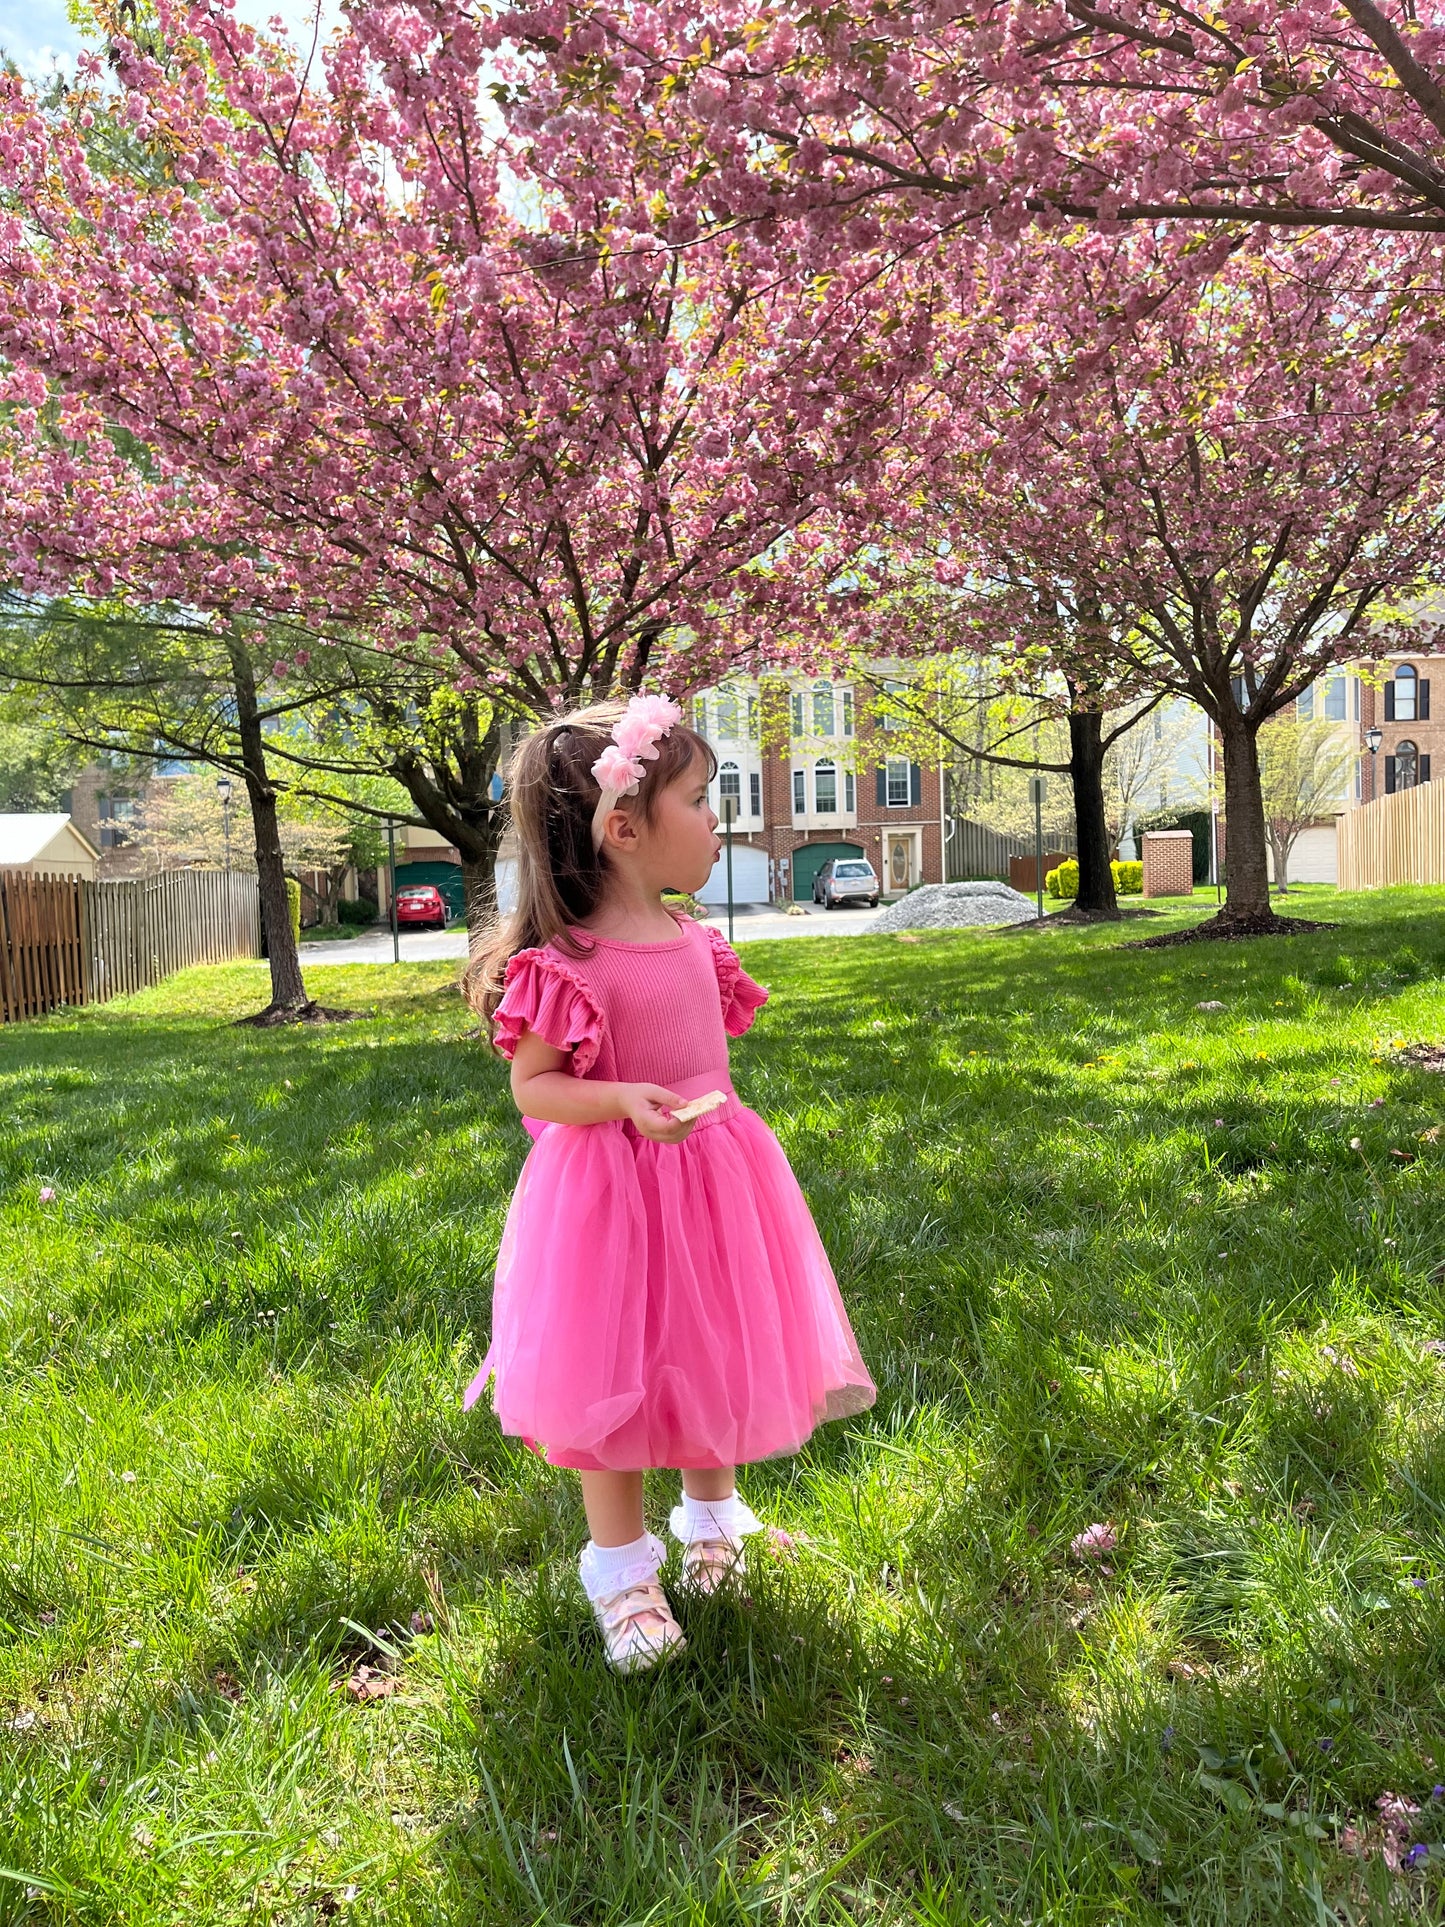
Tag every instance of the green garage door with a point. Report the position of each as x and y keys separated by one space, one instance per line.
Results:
x=446 y=876
x=810 y=859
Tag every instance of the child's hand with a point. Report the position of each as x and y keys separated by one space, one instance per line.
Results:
x=648 y=1107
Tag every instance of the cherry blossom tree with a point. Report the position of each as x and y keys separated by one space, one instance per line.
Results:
x=322 y=346
x=1240 y=476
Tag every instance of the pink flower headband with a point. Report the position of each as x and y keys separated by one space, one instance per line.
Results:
x=620 y=768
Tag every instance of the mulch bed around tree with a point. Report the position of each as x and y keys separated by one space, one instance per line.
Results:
x=273 y=1016
x=1098 y=916
x=1226 y=929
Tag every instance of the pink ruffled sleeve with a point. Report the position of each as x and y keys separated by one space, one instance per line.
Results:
x=742 y=999
x=543 y=994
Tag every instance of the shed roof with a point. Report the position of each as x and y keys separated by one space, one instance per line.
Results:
x=24 y=837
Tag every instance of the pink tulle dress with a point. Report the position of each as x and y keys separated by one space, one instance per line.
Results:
x=658 y=1304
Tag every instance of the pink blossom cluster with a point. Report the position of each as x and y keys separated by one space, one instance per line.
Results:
x=1017 y=112
x=348 y=353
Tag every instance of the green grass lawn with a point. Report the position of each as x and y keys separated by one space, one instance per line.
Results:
x=1112 y=1258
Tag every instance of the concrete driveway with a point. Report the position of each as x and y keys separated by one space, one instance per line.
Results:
x=751 y=923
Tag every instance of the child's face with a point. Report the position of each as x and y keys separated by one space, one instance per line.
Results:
x=680 y=842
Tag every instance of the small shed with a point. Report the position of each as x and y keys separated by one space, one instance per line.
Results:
x=47 y=844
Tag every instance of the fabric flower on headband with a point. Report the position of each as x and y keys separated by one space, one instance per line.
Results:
x=622 y=765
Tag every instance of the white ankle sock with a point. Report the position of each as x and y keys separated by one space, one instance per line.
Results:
x=605 y=1570
x=728 y=1518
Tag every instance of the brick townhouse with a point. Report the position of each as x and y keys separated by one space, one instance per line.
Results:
x=1399 y=707
x=826 y=786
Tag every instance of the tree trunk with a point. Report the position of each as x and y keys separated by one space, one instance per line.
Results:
x=288 y=991
x=1096 y=896
x=1246 y=879
x=452 y=792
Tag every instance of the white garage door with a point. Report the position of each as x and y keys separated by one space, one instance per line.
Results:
x=750 y=877
x=1313 y=858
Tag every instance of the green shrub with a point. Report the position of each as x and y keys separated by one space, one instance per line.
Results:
x=293 y=898
x=361 y=912
x=1064 y=881
x=686 y=905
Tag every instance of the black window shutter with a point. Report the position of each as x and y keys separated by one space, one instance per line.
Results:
x=1389 y=776
x=1424 y=704
x=1390 y=700
x=1424 y=769
x=882 y=786
x=915 y=783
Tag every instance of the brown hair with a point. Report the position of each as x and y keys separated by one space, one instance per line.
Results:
x=553 y=795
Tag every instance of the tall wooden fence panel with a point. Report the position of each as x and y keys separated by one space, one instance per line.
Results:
x=1395 y=839
x=42 y=947
x=974 y=850
x=67 y=940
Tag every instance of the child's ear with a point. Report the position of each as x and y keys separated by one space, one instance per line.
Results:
x=620 y=830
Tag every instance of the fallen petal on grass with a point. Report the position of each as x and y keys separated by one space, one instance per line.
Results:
x=1094 y=1541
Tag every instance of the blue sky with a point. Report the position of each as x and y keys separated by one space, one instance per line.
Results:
x=36 y=32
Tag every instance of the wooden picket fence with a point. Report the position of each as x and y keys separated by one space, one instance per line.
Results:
x=68 y=940
x=1395 y=839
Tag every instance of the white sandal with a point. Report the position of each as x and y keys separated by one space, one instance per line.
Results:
x=709 y=1564
x=638 y=1629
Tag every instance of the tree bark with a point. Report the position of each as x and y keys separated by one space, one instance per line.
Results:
x=1097 y=897
x=1246 y=847
x=288 y=990
x=452 y=792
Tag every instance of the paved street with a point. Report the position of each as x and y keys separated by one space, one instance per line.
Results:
x=750 y=924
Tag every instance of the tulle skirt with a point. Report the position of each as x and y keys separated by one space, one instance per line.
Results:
x=666 y=1304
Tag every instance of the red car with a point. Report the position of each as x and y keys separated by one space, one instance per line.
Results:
x=421 y=905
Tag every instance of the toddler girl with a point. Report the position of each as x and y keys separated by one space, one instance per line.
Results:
x=662 y=1296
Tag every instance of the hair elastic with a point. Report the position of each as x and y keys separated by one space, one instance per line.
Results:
x=620 y=768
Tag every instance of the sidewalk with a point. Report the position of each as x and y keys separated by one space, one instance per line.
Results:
x=752 y=923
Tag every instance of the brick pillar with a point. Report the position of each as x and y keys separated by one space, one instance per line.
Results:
x=1168 y=863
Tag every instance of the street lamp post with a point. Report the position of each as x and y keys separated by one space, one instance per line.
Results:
x=729 y=812
x=223 y=790
x=1373 y=739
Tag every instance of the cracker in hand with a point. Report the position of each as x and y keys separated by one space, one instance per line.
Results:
x=699 y=1107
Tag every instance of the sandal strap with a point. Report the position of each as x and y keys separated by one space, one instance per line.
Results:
x=635 y=1603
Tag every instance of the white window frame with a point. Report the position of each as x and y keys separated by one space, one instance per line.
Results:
x=800 y=792
x=891 y=766
x=823 y=694
x=728 y=707
x=850 y=793
x=827 y=767
x=1407 y=677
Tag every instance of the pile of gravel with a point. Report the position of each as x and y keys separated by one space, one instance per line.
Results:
x=951 y=906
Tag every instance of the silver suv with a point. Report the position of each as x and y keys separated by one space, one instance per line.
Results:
x=844 y=879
